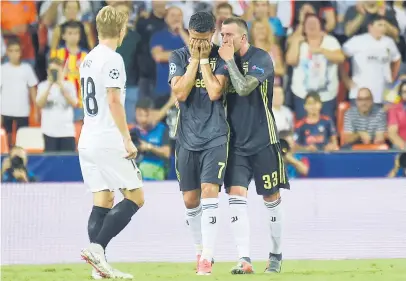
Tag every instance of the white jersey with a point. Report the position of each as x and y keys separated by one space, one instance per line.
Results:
x=102 y=68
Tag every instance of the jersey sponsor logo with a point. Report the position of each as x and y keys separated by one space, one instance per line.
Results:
x=262 y=71
x=114 y=74
x=199 y=83
x=172 y=68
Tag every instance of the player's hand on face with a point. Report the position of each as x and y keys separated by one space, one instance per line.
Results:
x=194 y=49
x=226 y=50
x=131 y=149
x=205 y=49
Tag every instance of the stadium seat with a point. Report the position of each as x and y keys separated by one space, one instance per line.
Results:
x=370 y=147
x=78 y=129
x=31 y=139
x=31 y=119
x=342 y=108
x=4 y=141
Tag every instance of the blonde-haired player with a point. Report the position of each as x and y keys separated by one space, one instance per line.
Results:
x=106 y=152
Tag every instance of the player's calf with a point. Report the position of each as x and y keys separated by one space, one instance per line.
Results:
x=194 y=218
x=273 y=204
x=210 y=210
x=240 y=227
x=102 y=203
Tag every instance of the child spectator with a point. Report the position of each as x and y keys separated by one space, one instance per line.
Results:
x=296 y=165
x=18 y=85
x=16 y=19
x=57 y=98
x=364 y=123
x=72 y=55
x=397 y=120
x=152 y=141
x=315 y=132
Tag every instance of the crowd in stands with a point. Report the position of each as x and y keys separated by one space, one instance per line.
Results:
x=340 y=70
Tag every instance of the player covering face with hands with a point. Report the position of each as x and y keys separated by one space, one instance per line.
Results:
x=255 y=150
x=198 y=78
x=106 y=152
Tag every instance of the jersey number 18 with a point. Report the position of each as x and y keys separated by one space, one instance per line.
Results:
x=89 y=96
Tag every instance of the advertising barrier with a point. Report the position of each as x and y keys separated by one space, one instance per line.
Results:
x=323 y=219
x=65 y=168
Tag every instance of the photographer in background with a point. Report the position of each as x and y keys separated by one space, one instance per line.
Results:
x=399 y=168
x=57 y=98
x=14 y=167
x=296 y=165
x=152 y=141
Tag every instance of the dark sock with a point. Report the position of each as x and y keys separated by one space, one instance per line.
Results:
x=115 y=221
x=95 y=222
x=277 y=256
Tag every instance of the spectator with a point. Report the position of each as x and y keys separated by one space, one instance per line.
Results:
x=72 y=55
x=162 y=44
x=296 y=31
x=153 y=142
x=16 y=19
x=323 y=9
x=375 y=60
x=18 y=85
x=296 y=165
x=14 y=168
x=223 y=12
x=314 y=58
x=57 y=98
x=71 y=11
x=239 y=7
x=128 y=50
x=146 y=26
x=364 y=123
x=315 y=132
x=262 y=36
x=52 y=13
x=399 y=167
x=358 y=18
x=341 y=10
x=399 y=7
x=282 y=114
x=397 y=121
x=259 y=10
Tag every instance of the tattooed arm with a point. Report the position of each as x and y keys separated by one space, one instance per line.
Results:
x=243 y=85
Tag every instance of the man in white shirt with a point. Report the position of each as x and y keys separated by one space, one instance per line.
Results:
x=375 y=60
x=17 y=86
x=57 y=98
x=106 y=152
x=282 y=114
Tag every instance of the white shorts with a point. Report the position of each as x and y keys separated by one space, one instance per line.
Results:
x=107 y=169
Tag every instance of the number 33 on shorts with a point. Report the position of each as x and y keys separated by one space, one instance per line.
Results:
x=270 y=180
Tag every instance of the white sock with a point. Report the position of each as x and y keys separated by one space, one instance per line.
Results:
x=240 y=225
x=194 y=222
x=275 y=225
x=209 y=226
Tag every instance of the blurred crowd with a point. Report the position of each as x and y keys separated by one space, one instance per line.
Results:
x=340 y=71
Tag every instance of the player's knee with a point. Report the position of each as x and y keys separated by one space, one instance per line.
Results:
x=237 y=191
x=273 y=197
x=135 y=195
x=210 y=190
x=104 y=199
x=191 y=199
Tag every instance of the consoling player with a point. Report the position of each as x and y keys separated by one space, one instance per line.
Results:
x=255 y=150
x=106 y=152
x=198 y=78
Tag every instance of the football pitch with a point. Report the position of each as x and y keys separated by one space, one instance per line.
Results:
x=304 y=270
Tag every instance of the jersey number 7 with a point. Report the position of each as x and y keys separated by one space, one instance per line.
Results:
x=89 y=96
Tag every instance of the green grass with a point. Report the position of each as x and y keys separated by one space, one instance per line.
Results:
x=346 y=270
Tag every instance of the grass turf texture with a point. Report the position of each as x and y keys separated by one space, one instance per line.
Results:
x=352 y=270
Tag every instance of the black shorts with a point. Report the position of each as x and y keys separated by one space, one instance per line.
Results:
x=9 y=120
x=266 y=167
x=196 y=167
x=63 y=144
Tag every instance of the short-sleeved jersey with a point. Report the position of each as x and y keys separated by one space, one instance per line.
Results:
x=251 y=119
x=318 y=134
x=102 y=68
x=201 y=123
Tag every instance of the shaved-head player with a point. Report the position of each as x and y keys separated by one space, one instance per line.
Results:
x=255 y=150
x=198 y=77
